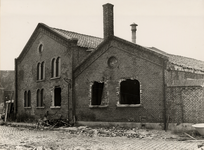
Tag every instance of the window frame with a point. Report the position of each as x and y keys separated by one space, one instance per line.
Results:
x=53 y=94
x=56 y=68
x=118 y=89
x=27 y=99
x=104 y=95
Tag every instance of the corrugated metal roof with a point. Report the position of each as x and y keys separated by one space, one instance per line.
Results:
x=86 y=41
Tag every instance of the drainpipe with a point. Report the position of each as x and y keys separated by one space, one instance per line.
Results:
x=164 y=95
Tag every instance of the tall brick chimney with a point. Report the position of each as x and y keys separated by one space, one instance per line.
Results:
x=134 y=29
x=108 y=27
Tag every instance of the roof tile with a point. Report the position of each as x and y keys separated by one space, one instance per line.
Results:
x=92 y=42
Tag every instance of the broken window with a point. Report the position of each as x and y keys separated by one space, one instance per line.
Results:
x=130 y=92
x=57 y=96
x=97 y=93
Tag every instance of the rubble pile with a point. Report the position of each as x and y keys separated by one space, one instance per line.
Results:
x=112 y=132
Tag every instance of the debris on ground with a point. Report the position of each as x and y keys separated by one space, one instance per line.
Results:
x=64 y=125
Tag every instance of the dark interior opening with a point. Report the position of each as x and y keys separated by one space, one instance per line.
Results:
x=130 y=92
x=25 y=99
x=42 y=70
x=29 y=99
x=38 y=98
x=57 y=96
x=97 y=92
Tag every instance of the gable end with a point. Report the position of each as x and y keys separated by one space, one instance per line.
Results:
x=49 y=32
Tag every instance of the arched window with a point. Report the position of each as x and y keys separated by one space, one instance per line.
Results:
x=38 y=71
x=130 y=92
x=42 y=70
x=53 y=68
x=29 y=99
x=41 y=97
x=25 y=99
x=58 y=64
x=38 y=98
x=40 y=48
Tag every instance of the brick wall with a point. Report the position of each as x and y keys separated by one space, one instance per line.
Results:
x=144 y=67
x=27 y=75
x=173 y=75
x=185 y=104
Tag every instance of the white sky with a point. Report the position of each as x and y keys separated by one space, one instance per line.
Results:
x=174 y=26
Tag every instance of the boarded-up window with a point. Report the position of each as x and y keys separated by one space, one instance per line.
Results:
x=130 y=92
x=97 y=92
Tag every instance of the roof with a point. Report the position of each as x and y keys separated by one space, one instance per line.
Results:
x=86 y=41
x=181 y=61
x=91 y=42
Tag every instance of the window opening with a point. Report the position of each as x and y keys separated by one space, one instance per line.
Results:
x=97 y=92
x=57 y=96
x=38 y=71
x=40 y=48
x=41 y=98
x=42 y=70
x=53 y=68
x=130 y=92
x=25 y=99
x=57 y=66
x=38 y=98
x=29 y=99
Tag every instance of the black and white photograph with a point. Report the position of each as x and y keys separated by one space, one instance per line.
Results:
x=102 y=75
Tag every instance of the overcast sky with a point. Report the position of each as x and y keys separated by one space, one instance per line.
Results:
x=174 y=26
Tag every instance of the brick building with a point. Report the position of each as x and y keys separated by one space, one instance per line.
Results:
x=72 y=75
x=6 y=88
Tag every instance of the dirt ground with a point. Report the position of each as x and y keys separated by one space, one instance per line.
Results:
x=85 y=138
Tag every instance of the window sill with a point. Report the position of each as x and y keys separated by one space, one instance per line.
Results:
x=98 y=106
x=27 y=107
x=53 y=78
x=40 y=107
x=55 y=107
x=41 y=80
x=128 y=105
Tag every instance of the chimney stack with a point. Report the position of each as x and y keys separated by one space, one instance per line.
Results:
x=108 y=20
x=134 y=29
